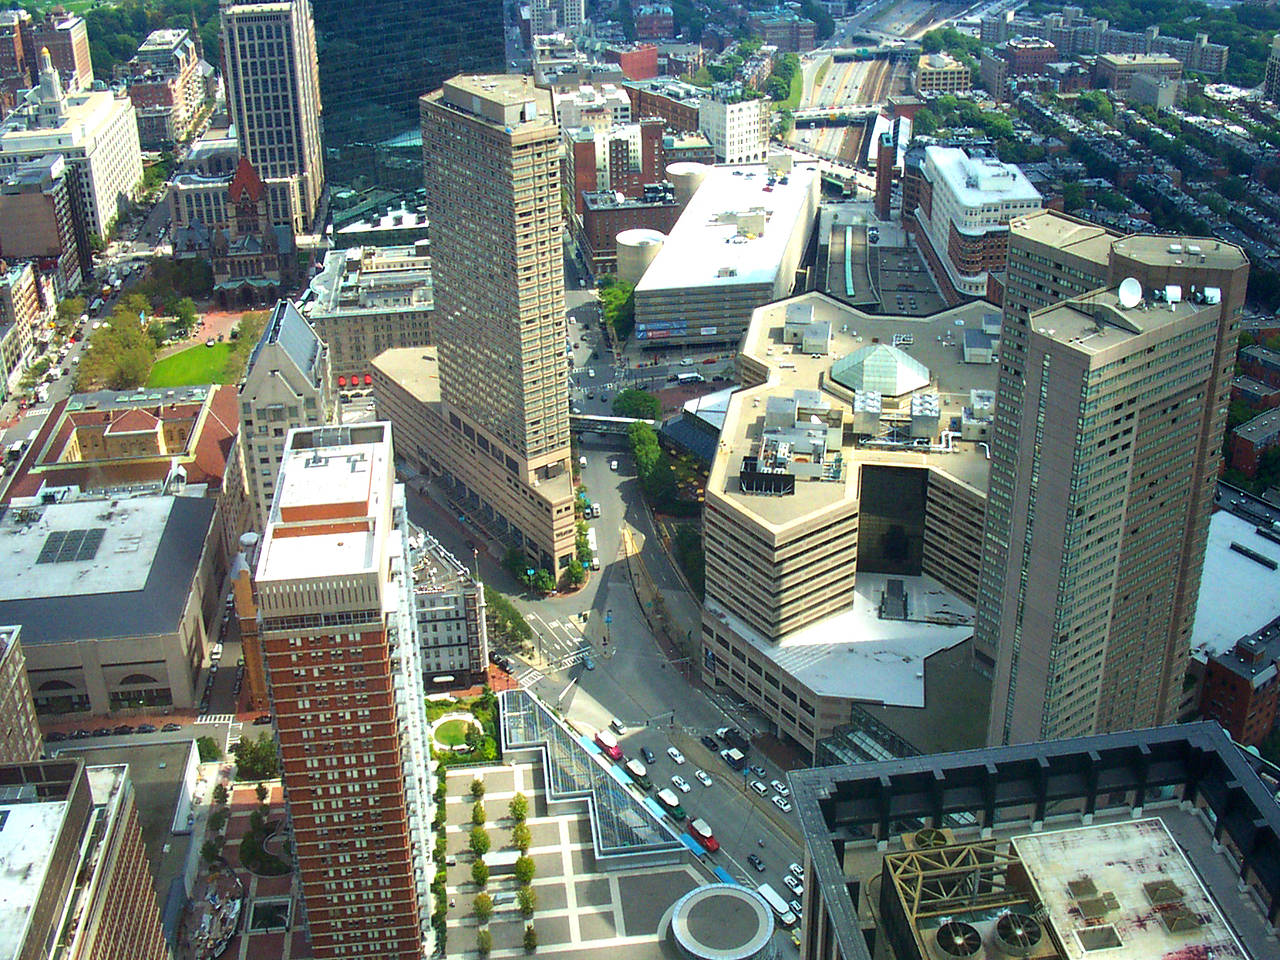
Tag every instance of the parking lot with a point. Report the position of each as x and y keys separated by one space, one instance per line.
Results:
x=905 y=284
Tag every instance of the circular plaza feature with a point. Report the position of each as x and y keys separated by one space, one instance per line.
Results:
x=450 y=731
x=723 y=922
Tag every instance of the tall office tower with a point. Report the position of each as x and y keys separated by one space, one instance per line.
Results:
x=372 y=74
x=20 y=737
x=492 y=152
x=556 y=16
x=1105 y=451
x=273 y=92
x=339 y=640
x=286 y=385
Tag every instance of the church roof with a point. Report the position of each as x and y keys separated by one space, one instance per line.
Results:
x=245 y=180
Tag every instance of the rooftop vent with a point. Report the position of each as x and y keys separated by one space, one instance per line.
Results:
x=959 y=940
x=1018 y=934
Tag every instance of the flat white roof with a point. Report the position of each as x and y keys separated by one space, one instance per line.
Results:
x=27 y=837
x=705 y=239
x=311 y=478
x=1142 y=867
x=856 y=655
x=88 y=547
x=1237 y=595
x=978 y=180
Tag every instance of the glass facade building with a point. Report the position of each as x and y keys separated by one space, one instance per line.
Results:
x=377 y=57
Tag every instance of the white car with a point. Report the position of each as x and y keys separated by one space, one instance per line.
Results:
x=702 y=777
x=686 y=361
x=582 y=461
x=591 y=371
x=781 y=804
x=780 y=788
x=794 y=885
x=675 y=754
x=681 y=783
x=796 y=907
x=613 y=464
x=797 y=871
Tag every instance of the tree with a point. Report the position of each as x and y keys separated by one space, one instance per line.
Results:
x=480 y=872
x=477 y=788
x=484 y=941
x=521 y=837
x=69 y=311
x=209 y=751
x=543 y=581
x=638 y=404
x=924 y=123
x=524 y=870
x=575 y=573
x=530 y=939
x=1072 y=196
x=527 y=901
x=483 y=906
x=218 y=819
x=210 y=850
x=219 y=794
x=617 y=305
x=477 y=811
x=479 y=841
x=260 y=791
x=186 y=313
x=256 y=758
x=518 y=808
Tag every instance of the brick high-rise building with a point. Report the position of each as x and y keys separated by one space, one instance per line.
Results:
x=42 y=217
x=20 y=738
x=621 y=159
x=76 y=868
x=1104 y=456
x=885 y=156
x=497 y=268
x=166 y=86
x=339 y=641
x=273 y=93
x=66 y=38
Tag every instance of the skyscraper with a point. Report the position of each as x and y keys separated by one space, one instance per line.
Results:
x=372 y=74
x=339 y=640
x=273 y=93
x=1105 y=450
x=491 y=148
x=286 y=385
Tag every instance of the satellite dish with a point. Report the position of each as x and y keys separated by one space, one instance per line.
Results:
x=1130 y=292
x=1173 y=293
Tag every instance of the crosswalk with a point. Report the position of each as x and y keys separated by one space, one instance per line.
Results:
x=217 y=718
x=528 y=678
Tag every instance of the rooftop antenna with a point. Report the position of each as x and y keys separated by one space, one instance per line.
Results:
x=1130 y=292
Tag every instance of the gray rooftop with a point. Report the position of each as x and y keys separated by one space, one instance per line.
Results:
x=287 y=327
x=93 y=569
x=1263 y=427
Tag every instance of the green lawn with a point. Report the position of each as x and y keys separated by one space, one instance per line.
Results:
x=192 y=367
x=821 y=74
x=452 y=733
x=797 y=91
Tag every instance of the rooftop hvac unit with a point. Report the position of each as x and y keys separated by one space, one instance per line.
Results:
x=930 y=838
x=1017 y=934
x=959 y=940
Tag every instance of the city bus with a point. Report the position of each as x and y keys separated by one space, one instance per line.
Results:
x=607 y=742
x=780 y=908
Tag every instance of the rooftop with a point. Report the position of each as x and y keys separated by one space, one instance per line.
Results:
x=325 y=517
x=1263 y=427
x=372 y=280
x=1143 y=59
x=1097 y=323
x=1066 y=234
x=858 y=656
x=509 y=101
x=406 y=367
x=28 y=831
x=93 y=568
x=975 y=180
x=1147 y=876
x=734 y=230
x=932 y=341
x=1237 y=593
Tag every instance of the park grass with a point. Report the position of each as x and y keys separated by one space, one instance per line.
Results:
x=797 y=91
x=192 y=367
x=452 y=733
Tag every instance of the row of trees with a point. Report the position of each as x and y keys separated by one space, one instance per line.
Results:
x=617 y=306
x=653 y=464
x=785 y=70
x=506 y=623
x=524 y=869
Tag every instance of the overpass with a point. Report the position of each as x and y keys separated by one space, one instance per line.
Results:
x=834 y=116
x=613 y=426
x=887 y=50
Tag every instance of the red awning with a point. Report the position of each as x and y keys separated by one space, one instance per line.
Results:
x=368 y=380
x=342 y=381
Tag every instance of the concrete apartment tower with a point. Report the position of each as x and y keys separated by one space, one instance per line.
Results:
x=339 y=640
x=491 y=148
x=286 y=385
x=273 y=92
x=1115 y=367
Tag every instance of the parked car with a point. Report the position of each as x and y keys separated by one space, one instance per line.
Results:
x=54 y=737
x=759 y=788
x=262 y=721
x=703 y=777
x=756 y=862
x=147 y=728
x=780 y=788
x=123 y=730
x=797 y=871
x=681 y=783
x=647 y=754
x=757 y=770
x=171 y=727
x=81 y=735
x=781 y=804
x=709 y=742
x=795 y=906
x=102 y=732
x=794 y=885
x=675 y=755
